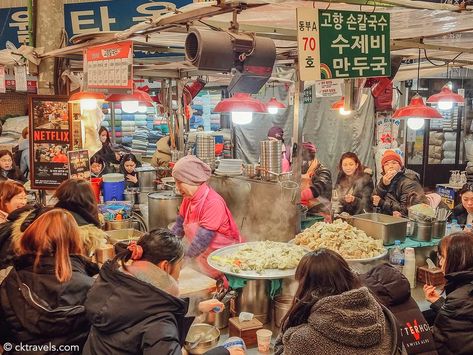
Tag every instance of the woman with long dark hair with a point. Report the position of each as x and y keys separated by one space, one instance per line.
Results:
x=77 y=197
x=145 y=276
x=42 y=298
x=453 y=325
x=8 y=168
x=354 y=185
x=98 y=166
x=106 y=152
x=128 y=166
x=332 y=314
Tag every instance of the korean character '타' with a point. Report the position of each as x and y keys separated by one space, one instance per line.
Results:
x=341 y=66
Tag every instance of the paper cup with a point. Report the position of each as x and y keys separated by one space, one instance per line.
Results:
x=264 y=339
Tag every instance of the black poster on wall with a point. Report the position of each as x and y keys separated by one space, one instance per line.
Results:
x=50 y=140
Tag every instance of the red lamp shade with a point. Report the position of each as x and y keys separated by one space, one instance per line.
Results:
x=445 y=95
x=240 y=102
x=87 y=95
x=273 y=102
x=138 y=95
x=417 y=109
x=337 y=105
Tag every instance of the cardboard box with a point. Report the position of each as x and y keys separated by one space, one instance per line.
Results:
x=245 y=330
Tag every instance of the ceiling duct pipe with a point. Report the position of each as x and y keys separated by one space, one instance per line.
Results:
x=251 y=58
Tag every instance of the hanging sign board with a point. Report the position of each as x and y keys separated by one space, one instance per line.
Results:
x=20 y=78
x=79 y=165
x=109 y=68
x=343 y=44
x=308 y=44
x=308 y=95
x=354 y=44
x=328 y=88
x=50 y=140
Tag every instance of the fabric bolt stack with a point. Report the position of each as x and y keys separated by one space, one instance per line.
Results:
x=436 y=140
x=449 y=148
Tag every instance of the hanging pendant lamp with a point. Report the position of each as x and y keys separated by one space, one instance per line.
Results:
x=417 y=111
x=273 y=105
x=131 y=102
x=340 y=106
x=445 y=98
x=241 y=106
x=87 y=99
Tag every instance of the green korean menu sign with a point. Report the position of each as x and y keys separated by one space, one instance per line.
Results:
x=347 y=44
x=354 y=44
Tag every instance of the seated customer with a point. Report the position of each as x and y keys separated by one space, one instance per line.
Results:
x=12 y=197
x=453 y=325
x=333 y=314
x=128 y=166
x=136 y=309
x=463 y=212
x=41 y=299
x=393 y=290
x=393 y=194
x=98 y=167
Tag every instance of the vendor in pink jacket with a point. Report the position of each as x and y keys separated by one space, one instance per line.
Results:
x=204 y=218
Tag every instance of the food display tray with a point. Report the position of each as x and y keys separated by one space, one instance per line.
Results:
x=267 y=274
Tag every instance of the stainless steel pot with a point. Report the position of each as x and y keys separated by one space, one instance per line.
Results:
x=254 y=298
x=422 y=231
x=146 y=177
x=116 y=225
x=438 y=229
x=163 y=209
x=282 y=304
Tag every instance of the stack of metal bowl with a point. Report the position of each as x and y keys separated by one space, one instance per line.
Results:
x=270 y=158
x=205 y=151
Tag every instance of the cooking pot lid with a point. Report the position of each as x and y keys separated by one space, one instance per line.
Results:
x=168 y=195
x=145 y=168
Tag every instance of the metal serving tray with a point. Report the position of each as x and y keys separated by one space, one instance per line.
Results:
x=381 y=226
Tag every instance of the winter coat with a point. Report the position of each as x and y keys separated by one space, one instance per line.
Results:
x=392 y=289
x=361 y=186
x=107 y=154
x=12 y=174
x=347 y=324
x=156 y=323
x=460 y=214
x=453 y=326
x=321 y=188
x=36 y=309
x=398 y=195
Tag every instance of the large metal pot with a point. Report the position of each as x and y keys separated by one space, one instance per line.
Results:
x=146 y=177
x=163 y=209
x=254 y=298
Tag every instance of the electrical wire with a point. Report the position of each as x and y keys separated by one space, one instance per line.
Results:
x=444 y=63
x=210 y=26
x=418 y=73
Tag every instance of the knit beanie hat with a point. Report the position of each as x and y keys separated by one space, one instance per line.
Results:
x=191 y=170
x=391 y=155
x=276 y=132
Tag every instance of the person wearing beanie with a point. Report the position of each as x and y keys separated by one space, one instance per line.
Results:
x=277 y=133
x=393 y=194
x=204 y=218
x=316 y=189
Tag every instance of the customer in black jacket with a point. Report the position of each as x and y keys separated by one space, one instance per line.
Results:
x=392 y=289
x=136 y=309
x=395 y=190
x=316 y=190
x=354 y=185
x=41 y=299
x=463 y=212
x=453 y=326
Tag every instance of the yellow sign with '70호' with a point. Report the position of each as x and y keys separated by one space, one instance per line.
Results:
x=308 y=44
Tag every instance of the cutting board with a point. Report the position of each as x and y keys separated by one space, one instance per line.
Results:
x=192 y=282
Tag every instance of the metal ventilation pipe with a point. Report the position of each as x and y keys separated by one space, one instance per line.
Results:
x=210 y=50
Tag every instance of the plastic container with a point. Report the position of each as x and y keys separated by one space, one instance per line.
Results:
x=409 y=269
x=264 y=340
x=396 y=256
x=96 y=183
x=113 y=187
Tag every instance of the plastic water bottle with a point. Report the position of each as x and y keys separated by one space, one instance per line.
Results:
x=455 y=226
x=396 y=256
x=448 y=229
x=409 y=269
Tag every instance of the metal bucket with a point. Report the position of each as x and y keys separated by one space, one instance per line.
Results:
x=282 y=304
x=438 y=229
x=163 y=209
x=422 y=231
